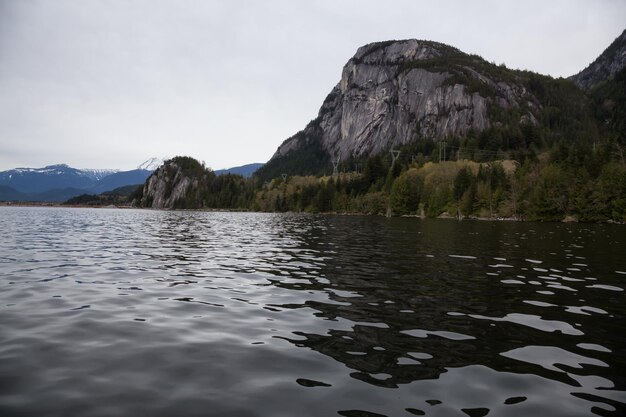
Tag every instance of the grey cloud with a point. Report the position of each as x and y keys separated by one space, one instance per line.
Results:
x=109 y=83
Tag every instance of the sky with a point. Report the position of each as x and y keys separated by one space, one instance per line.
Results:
x=111 y=83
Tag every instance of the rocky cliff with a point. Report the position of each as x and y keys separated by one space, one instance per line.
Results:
x=605 y=67
x=171 y=183
x=393 y=93
x=183 y=182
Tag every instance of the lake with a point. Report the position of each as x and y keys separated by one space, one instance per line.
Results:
x=107 y=312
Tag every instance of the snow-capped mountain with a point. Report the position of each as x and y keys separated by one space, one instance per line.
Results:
x=98 y=174
x=36 y=180
x=152 y=163
x=60 y=182
x=61 y=179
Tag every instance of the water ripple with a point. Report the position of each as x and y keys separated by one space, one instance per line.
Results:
x=125 y=312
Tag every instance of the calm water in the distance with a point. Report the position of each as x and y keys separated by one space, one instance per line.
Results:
x=156 y=313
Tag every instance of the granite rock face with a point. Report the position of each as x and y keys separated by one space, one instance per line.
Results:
x=609 y=63
x=393 y=93
x=167 y=185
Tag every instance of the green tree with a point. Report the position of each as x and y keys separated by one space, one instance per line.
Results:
x=610 y=192
x=462 y=182
x=405 y=193
x=550 y=197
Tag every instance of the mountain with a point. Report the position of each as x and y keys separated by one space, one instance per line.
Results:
x=98 y=174
x=244 y=170
x=396 y=93
x=151 y=164
x=11 y=194
x=55 y=183
x=37 y=180
x=605 y=67
x=604 y=80
x=55 y=195
x=476 y=139
x=173 y=181
x=48 y=196
x=124 y=191
x=120 y=179
x=118 y=196
x=610 y=101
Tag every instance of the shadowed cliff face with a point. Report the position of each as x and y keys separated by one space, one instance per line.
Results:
x=392 y=93
x=605 y=67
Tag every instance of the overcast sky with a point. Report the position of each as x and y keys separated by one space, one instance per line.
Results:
x=108 y=84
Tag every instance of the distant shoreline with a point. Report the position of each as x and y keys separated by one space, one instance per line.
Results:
x=46 y=204
x=444 y=216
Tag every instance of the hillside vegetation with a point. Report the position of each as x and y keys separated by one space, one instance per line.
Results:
x=552 y=186
x=413 y=94
x=568 y=167
x=567 y=182
x=119 y=196
x=183 y=182
x=483 y=141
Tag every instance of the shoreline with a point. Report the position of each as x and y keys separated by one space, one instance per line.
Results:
x=443 y=216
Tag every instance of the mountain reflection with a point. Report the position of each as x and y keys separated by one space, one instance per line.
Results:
x=308 y=315
x=408 y=311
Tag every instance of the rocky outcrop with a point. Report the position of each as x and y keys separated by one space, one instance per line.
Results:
x=168 y=185
x=609 y=63
x=393 y=93
x=184 y=183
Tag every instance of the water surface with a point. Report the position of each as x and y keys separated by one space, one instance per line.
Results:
x=136 y=312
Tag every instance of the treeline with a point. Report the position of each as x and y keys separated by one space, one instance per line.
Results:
x=227 y=191
x=570 y=163
x=575 y=181
x=568 y=182
x=119 y=197
x=519 y=174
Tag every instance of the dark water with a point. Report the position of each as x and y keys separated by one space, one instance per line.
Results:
x=146 y=313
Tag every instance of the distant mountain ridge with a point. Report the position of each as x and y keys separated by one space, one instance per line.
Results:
x=55 y=183
x=243 y=170
x=36 y=180
x=11 y=194
x=60 y=182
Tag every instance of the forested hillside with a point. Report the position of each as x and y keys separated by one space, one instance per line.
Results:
x=490 y=142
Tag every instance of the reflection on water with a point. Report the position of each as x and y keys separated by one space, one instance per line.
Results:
x=122 y=312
